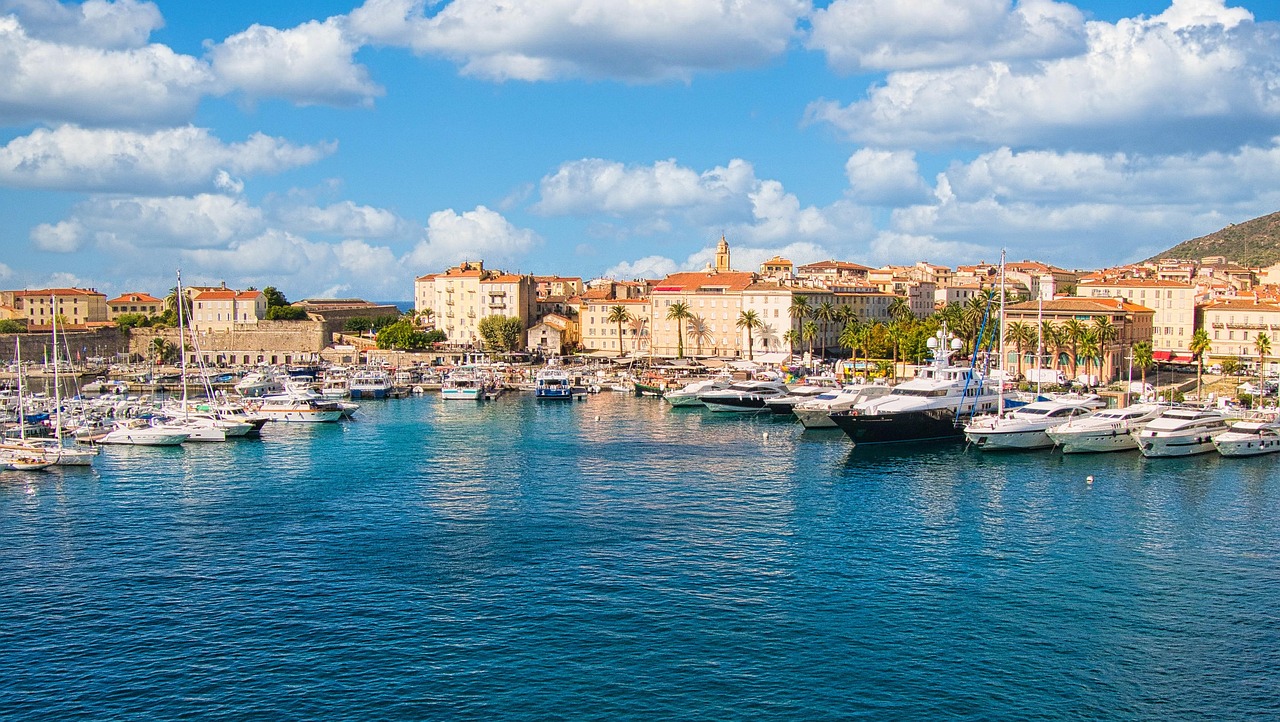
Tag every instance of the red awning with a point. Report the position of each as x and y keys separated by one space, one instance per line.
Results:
x=1161 y=355
x=1183 y=358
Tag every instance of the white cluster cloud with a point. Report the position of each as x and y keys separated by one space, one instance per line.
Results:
x=641 y=40
x=647 y=267
x=477 y=234
x=312 y=63
x=894 y=35
x=884 y=177
x=128 y=224
x=1198 y=75
x=96 y=23
x=344 y=219
x=50 y=82
x=728 y=197
x=595 y=185
x=172 y=159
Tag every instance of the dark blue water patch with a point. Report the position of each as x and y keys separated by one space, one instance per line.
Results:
x=617 y=559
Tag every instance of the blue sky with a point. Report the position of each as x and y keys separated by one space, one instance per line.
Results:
x=332 y=148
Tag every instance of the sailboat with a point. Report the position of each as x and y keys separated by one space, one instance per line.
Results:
x=19 y=455
x=66 y=456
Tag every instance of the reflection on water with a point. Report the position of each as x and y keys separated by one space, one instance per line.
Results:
x=527 y=559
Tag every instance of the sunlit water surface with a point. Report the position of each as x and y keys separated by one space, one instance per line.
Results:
x=617 y=559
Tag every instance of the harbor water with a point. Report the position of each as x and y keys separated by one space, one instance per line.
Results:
x=617 y=559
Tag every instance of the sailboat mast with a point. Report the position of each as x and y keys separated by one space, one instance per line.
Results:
x=182 y=345
x=1000 y=338
x=57 y=382
x=22 y=406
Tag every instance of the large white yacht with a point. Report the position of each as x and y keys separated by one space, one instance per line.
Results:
x=1026 y=427
x=1183 y=431
x=688 y=395
x=465 y=384
x=935 y=405
x=144 y=432
x=816 y=412
x=259 y=383
x=743 y=396
x=1106 y=430
x=369 y=382
x=1250 y=437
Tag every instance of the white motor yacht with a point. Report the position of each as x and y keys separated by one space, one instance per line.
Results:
x=743 y=396
x=1026 y=427
x=1249 y=437
x=796 y=395
x=144 y=432
x=297 y=408
x=816 y=412
x=688 y=395
x=258 y=384
x=553 y=383
x=1106 y=430
x=52 y=448
x=1183 y=431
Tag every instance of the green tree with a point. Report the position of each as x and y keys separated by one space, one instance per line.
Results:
x=11 y=326
x=1200 y=345
x=127 y=321
x=824 y=314
x=619 y=315
x=1021 y=335
x=1073 y=333
x=848 y=339
x=274 y=297
x=792 y=338
x=435 y=336
x=679 y=312
x=286 y=313
x=1230 y=366
x=171 y=306
x=900 y=309
x=402 y=336
x=1106 y=332
x=809 y=332
x=1090 y=349
x=750 y=320
x=1261 y=344
x=1144 y=358
x=163 y=351
x=501 y=333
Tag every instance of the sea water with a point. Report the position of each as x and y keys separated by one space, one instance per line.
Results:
x=617 y=559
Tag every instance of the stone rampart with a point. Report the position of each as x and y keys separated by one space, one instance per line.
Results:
x=102 y=343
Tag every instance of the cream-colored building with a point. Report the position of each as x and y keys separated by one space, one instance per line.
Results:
x=1233 y=326
x=551 y=335
x=1174 y=303
x=601 y=334
x=224 y=309
x=462 y=296
x=714 y=299
x=73 y=306
x=140 y=303
x=1132 y=322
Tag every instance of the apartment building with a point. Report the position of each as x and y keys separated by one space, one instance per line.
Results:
x=72 y=306
x=1174 y=303
x=223 y=309
x=140 y=303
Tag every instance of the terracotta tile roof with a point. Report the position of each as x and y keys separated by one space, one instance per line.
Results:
x=697 y=281
x=135 y=298
x=1135 y=283
x=59 y=292
x=1241 y=304
x=1081 y=305
x=503 y=278
x=834 y=265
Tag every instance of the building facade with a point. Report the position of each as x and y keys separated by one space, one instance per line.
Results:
x=1174 y=303
x=73 y=306
x=223 y=309
x=140 y=303
x=1233 y=327
x=1132 y=324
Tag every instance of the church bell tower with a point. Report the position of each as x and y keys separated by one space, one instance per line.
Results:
x=722 y=255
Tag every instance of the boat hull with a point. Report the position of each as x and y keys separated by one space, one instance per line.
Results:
x=358 y=393
x=1172 y=446
x=1250 y=446
x=815 y=418
x=1095 y=442
x=901 y=427
x=741 y=406
x=1027 y=440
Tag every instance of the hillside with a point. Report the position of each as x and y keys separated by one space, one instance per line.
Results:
x=1254 y=243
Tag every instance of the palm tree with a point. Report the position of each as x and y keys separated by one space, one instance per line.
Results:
x=792 y=338
x=800 y=308
x=678 y=312
x=171 y=303
x=1090 y=349
x=849 y=339
x=1019 y=334
x=900 y=309
x=1051 y=338
x=618 y=315
x=639 y=329
x=808 y=332
x=750 y=320
x=1106 y=332
x=1073 y=333
x=897 y=332
x=699 y=331
x=1144 y=358
x=825 y=313
x=1261 y=344
x=1200 y=345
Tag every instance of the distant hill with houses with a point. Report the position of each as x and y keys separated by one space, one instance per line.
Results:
x=1254 y=243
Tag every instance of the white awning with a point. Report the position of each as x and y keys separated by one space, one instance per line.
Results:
x=775 y=357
